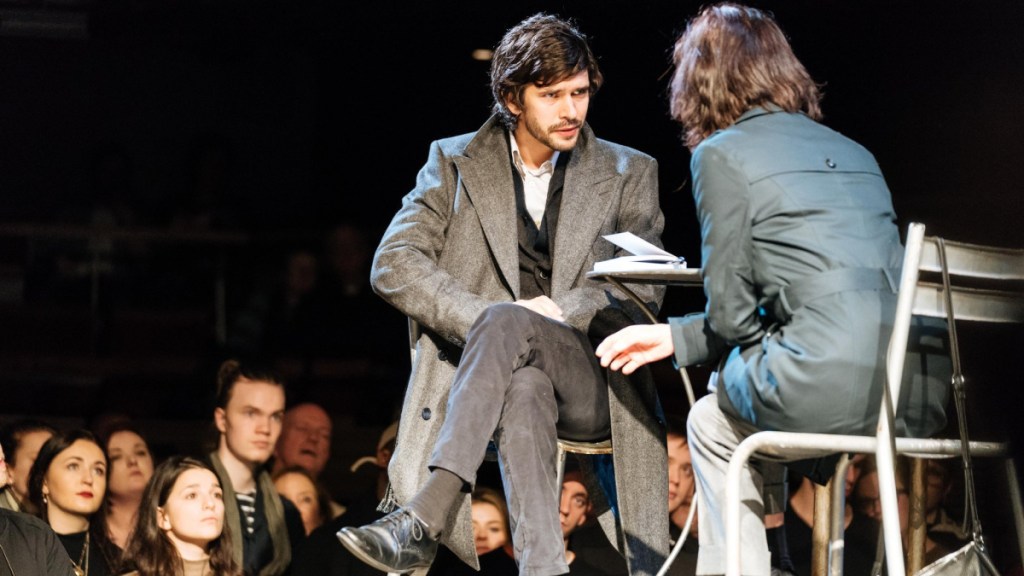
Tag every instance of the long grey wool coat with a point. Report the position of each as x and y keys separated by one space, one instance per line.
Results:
x=452 y=250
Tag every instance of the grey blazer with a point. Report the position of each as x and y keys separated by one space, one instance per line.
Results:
x=782 y=199
x=451 y=251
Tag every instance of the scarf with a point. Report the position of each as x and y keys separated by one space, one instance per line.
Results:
x=274 y=511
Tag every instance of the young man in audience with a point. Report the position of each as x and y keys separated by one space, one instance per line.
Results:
x=587 y=550
x=266 y=527
x=681 y=492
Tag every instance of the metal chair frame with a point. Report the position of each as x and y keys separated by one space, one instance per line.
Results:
x=915 y=298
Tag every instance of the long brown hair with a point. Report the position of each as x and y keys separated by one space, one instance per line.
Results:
x=732 y=58
x=150 y=551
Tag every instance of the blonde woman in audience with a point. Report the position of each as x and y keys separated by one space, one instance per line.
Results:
x=66 y=486
x=297 y=484
x=131 y=467
x=490 y=537
x=181 y=529
x=490 y=520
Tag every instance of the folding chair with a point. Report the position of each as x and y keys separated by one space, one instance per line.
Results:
x=956 y=262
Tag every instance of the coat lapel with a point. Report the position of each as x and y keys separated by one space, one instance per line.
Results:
x=486 y=175
x=589 y=179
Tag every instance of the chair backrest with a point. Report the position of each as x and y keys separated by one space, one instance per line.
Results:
x=987 y=283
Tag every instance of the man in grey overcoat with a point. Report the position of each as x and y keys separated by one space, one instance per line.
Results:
x=489 y=255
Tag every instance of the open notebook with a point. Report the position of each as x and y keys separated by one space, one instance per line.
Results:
x=644 y=255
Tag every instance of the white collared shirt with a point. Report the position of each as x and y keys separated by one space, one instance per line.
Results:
x=535 y=182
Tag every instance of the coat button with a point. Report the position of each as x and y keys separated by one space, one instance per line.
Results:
x=830 y=163
x=442 y=356
x=426 y=414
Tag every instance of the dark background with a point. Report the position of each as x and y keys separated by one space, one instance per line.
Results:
x=323 y=111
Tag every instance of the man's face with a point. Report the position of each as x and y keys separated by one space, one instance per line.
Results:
x=553 y=115
x=936 y=482
x=305 y=438
x=572 y=510
x=24 y=456
x=251 y=422
x=680 y=473
x=871 y=505
x=853 y=472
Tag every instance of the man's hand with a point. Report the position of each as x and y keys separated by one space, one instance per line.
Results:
x=544 y=306
x=634 y=346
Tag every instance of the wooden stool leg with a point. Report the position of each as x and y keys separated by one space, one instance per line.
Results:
x=918 y=526
x=820 y=530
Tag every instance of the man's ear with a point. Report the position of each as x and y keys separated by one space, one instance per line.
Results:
x=220 y=419
x=514 y=108
x=583 y=518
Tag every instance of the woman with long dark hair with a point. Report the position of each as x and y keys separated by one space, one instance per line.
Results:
x=181 y=529
x=66 y=487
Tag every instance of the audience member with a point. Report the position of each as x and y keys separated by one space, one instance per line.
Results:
x=587 y=550
x=296 y=484
x=491 y=534
x=131 y=467
x=490 y=520
x=941 y=526
x=306 y=441
x=322 y=554
x=6 y=500
x=681 y=492
x=181 y=529
x=21 y=441
x=248 y=415
x=867 y=500
x=860 y=533
x=66 y=486
x=379 y=460
x=29 y=546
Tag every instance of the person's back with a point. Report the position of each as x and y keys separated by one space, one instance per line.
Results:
x=813 y=203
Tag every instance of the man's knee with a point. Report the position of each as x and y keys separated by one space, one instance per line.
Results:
x=502 y=316
x=530 y=399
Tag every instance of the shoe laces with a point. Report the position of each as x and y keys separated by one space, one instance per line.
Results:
x=394 y=524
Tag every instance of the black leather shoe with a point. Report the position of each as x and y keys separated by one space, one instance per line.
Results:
x=397 y=542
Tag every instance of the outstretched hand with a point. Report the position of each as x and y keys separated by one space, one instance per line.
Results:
x=634 y=346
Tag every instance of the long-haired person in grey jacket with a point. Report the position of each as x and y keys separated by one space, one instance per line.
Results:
x=800 y=254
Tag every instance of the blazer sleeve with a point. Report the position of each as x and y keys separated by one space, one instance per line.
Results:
x=722 y=195
x=405 y=270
